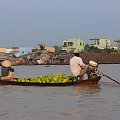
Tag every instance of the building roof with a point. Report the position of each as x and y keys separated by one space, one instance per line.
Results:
x=41 y=56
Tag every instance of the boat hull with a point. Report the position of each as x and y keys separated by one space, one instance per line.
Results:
x=79 y=82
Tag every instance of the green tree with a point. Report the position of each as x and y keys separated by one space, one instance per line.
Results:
x=89 y=48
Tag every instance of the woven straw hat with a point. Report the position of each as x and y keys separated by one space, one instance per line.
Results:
x=6 y=63
x=92 y=63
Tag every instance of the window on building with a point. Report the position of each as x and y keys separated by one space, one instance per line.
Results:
x=65 y=44
x=70 y=43
x=80 y=43
x=98 y=43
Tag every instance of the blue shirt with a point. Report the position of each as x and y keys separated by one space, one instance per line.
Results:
x=6 y=70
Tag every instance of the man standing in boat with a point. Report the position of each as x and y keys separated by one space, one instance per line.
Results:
x=78 y=68
x=6 y=70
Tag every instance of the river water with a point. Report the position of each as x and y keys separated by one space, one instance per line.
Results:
x=94 y=102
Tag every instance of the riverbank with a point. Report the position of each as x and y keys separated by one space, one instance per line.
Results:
x=101 y=58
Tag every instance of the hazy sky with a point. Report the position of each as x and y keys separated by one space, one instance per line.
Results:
x=30 y=22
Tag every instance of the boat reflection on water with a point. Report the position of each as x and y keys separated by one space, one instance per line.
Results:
x=91 y=88
x=84 y=97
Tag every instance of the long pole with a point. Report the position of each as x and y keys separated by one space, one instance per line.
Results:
x=109 y=77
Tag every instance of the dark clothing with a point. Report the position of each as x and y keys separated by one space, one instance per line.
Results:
x=5 y=71
x=91 y=73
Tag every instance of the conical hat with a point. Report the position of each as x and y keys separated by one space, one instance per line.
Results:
x=6 y=63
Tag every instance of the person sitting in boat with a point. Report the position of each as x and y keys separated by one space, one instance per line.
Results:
x=92 y=69
x=6 y=70
x=77 y=66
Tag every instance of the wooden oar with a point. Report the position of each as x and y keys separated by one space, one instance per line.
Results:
x=109 y=77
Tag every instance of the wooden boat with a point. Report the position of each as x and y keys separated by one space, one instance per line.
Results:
x=94 y=80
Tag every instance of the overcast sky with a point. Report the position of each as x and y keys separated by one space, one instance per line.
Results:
x=30 y=22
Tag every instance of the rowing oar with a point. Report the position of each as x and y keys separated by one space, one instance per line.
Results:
x=109 y=77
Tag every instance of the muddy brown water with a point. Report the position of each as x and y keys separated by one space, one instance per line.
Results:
x=94 y=102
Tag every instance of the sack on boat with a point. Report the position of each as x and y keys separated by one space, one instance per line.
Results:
x=6 y=63
x=92 y=63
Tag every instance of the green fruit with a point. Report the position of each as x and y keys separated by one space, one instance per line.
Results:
x=53 y=78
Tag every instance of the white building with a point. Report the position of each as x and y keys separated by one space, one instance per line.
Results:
x=101 y=43
x=9 y=50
